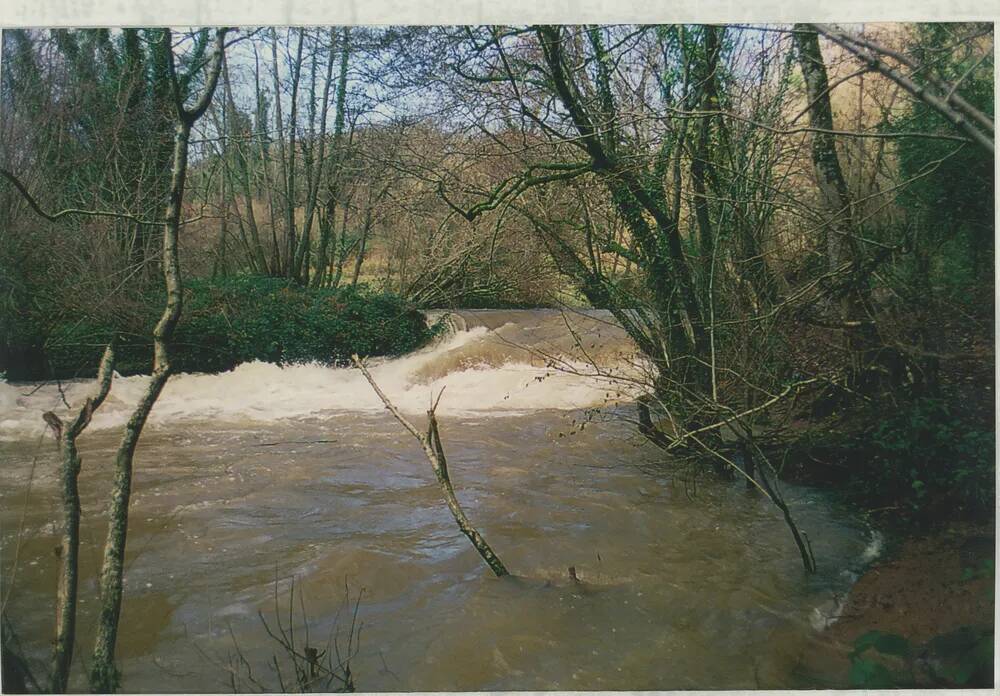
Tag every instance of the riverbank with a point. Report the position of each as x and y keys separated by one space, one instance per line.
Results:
x=934 y=590
x=226 y=322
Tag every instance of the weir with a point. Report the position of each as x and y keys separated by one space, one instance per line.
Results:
x=489 y=361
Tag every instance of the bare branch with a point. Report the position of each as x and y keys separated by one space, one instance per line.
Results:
x=431 y=444
x=55 y=217
x=957 y=112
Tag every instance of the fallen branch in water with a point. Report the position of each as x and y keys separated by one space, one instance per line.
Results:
x=431 y=443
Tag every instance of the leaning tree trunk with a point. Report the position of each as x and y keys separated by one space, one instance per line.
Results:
x=69 y=546
x=826 y=164
x=669 y=274
x=841 y=243
x=103 y=675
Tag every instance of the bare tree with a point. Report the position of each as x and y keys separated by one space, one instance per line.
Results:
x=69 y=547
x=103 y=674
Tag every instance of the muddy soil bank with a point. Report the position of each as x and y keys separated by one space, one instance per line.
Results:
x=928 y=587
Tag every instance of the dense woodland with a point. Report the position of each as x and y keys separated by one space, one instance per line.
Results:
x=794 y=224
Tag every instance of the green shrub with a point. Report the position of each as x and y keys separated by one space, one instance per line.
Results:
x=925 y=458
x=868 y=672
x=962 y=657
x=234 y=320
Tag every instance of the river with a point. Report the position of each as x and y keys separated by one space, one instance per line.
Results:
x=247 y=479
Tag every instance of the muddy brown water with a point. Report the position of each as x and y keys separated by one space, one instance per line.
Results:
x=246 y=480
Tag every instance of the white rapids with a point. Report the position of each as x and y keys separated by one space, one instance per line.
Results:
x=486 y=363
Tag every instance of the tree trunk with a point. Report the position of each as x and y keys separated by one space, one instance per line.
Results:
x=826 y=164
x=104 y=675
x=362 y=243
x=314 y=170
x=860 y=336
x=69 y=546
x=291 y=197
x=661 y=246
x=330 y=206
x=343 y=250
x=700 y=159
x=258 y=258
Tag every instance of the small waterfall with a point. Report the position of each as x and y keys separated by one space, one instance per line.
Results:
x=491 y=362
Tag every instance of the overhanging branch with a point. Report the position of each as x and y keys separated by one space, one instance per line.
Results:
x=55 y=217
x=948 y=104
